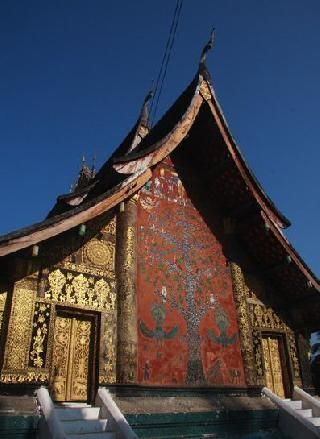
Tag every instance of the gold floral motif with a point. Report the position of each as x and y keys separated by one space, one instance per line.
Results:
x=38 y=343
x=111 y=227
x=257 y=345
x=247 y=347
x=105 y=296
x=37 y=347
x=19 y=333
x=80 y=287
x=57 y=281
x=86 y=291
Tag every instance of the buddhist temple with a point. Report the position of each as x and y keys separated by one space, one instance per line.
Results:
x=168 y=268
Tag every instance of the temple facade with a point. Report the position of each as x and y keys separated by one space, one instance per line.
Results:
x=168 y=267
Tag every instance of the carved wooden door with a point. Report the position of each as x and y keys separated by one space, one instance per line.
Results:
x=71 y=359
x=273 y=365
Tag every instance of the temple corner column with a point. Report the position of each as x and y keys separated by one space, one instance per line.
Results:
x=126 y=271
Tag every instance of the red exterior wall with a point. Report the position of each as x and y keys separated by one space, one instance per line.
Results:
x=187 y=325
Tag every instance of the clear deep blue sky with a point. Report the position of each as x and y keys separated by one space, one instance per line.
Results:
x=74 y=74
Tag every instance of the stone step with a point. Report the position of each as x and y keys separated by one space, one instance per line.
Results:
x=7 y=411
x=315 y=421
x=85 y=426
x=306 y=413
x=103 y=435
x=68 y=414
x=297 y=405
x=73 y=405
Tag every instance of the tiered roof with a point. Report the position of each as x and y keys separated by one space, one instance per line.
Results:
x=195 y=118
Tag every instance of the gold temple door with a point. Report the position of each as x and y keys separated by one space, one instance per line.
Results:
x=71 y=359
x=273 y=365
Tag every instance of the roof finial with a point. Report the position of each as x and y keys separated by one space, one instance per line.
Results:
x=94 y=163
x=207 y=47
x=144 y=117
x=85 y=176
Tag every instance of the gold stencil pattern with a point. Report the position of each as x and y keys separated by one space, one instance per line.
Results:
x=108 y=361
x=272 y=364
x=247 y=348
x=70 y=360
x=39 y=339
x=19 y=334
x=81 y=289
x=25 y=376
x=257 y=348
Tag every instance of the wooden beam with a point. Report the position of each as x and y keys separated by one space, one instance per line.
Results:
x=125 y=191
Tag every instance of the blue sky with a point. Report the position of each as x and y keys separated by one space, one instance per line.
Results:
x=74 y=74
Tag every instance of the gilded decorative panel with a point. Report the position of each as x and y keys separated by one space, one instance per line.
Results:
x=39 y=339
x=86 y=279
x=272 y=365
x=258 y=357
x=70 y=362
x=264 y=318
x=100 y=254
x=97 y=256
x=80 y=289
x=107 y=369
x=19 y=331
x=77 y=274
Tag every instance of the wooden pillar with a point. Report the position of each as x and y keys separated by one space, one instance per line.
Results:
x=126 y=269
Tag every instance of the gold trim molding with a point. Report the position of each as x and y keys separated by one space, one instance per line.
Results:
x=24 y=376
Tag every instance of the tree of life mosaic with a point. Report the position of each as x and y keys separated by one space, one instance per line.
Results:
x=188 y=331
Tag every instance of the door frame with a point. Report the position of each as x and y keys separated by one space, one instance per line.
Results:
x=94 y=317
x=285 y=360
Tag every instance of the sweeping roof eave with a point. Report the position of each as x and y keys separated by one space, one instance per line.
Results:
x=166 y=136
x=310 y=277
x=57 y=224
